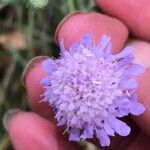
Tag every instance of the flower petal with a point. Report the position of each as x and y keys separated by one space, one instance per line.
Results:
x=88 y=132
x=49 y=65
x=137 y=109
x=135 y=69
x=74 y=134
x=87 y=41
x=122 y=103
x=101 y=47
x=62 y=47
x=73 y=48
x=122 y=107
x=45 y=81
x=120 y=127
x=62 y=120
x=103 y=137
x=109 y=48
x=125 y=61
x=125 y=52
x=109 y=130
x=129 y=84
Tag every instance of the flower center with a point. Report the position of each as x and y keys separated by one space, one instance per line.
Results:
x=88 y=86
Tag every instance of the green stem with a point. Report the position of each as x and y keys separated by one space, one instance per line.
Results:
x=9 y=74
x=71 y=5
x=4 y=142
x=31 y=15
x=19 y=13
x=5 y=83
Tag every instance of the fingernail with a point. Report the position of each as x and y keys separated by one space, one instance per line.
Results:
x=7 y=117
x=62 y=22
x=32 y=63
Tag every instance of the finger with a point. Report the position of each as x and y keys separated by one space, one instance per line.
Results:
x=138 y=21
x=32 y=75
x=142 y=55
x=28 y=131
x=78 y=24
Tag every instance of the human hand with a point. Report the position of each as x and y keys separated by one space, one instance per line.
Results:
x=27 y=130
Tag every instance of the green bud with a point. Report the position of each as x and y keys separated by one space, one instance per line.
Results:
x=38 y=3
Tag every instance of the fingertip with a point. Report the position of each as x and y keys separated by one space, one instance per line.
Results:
x=138 y=21
x=30 y=131
x=8 y=115
x=61 y=24
x=141 y=52
x=32 y=75
x=33 y=62
x=142 y=55
x=78 y=24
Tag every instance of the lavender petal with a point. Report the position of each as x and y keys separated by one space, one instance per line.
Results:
x=74 y=134
x=137 y=109
x=135 y=69
x=125 y=52
x=45 y=82
x=120 y=127
x=109 y=130
x=87 y=41
x=103 y=137
x=101 y=47
x=124 y=62
x=88 y=132
x=49 y=65
x=129 y=84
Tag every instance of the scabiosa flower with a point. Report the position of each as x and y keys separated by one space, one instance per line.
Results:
x=90 y=89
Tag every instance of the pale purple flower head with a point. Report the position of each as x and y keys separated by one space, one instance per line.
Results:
x=90 y=89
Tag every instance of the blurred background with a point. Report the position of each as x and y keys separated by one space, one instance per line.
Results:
x=27 y=30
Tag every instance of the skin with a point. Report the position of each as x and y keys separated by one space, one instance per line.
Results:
x=134 y=13
x=40 y=132
x=79 y=24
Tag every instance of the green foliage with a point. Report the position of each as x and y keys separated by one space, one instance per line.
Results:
x=34 y=23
